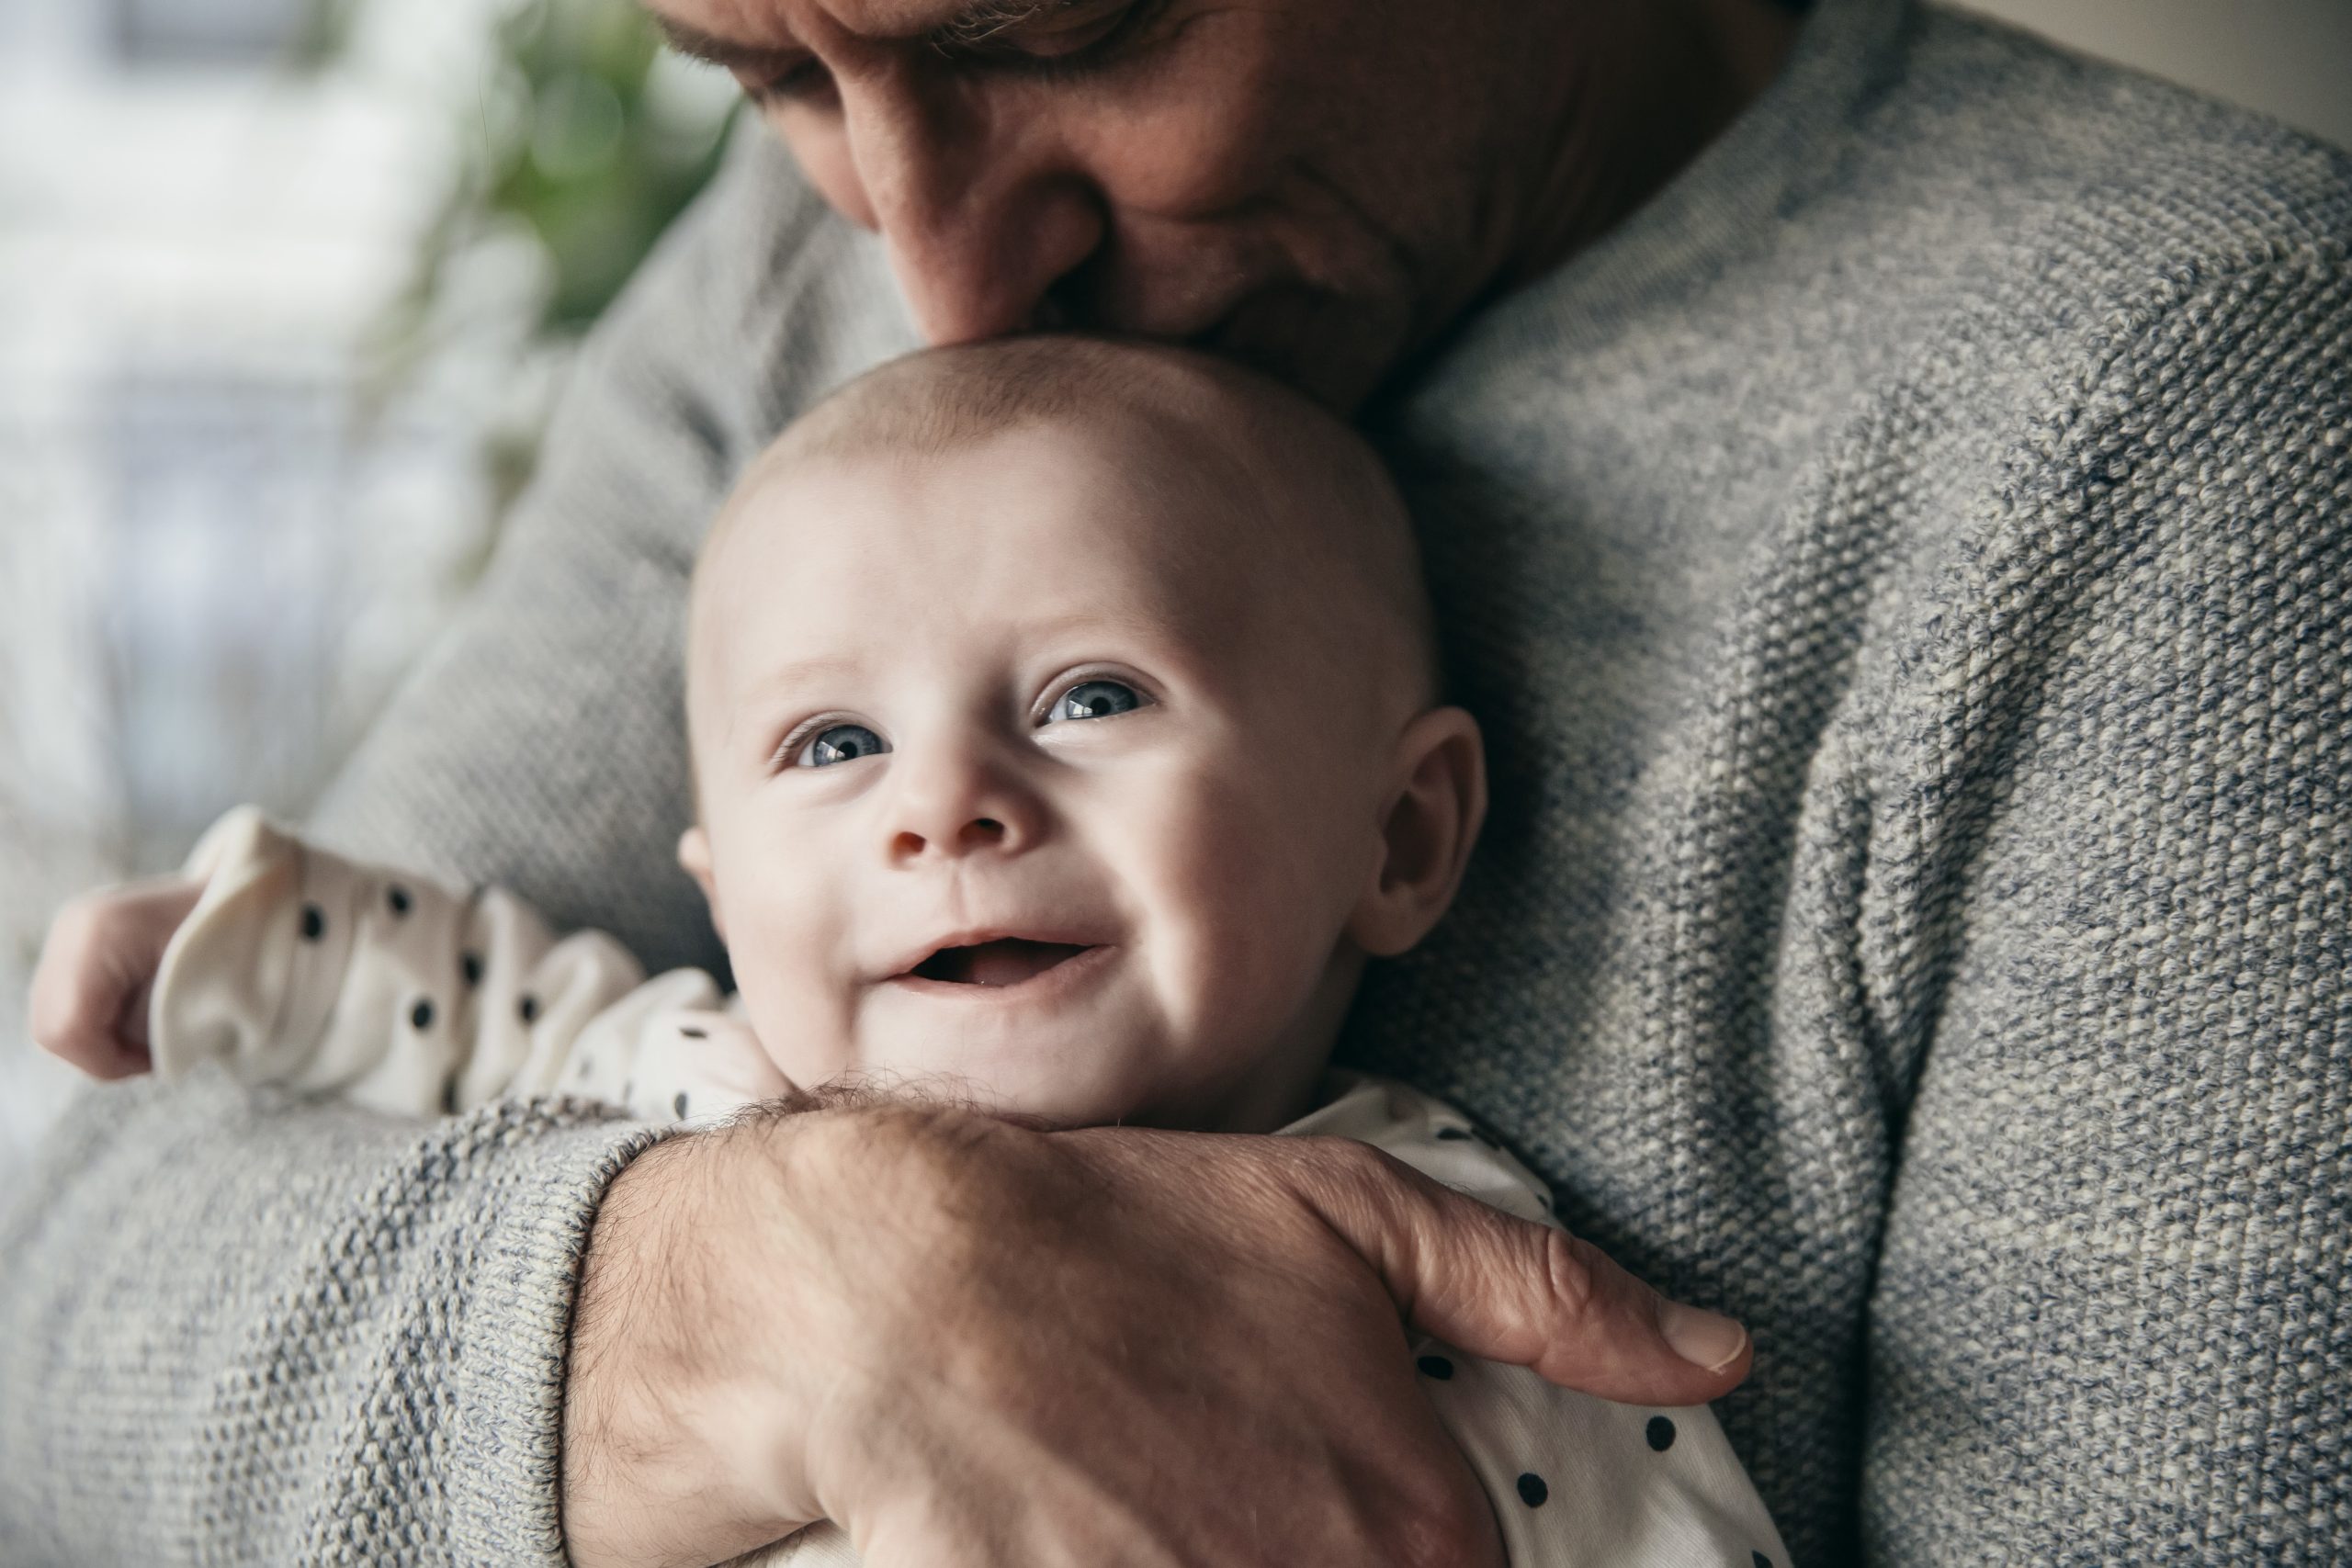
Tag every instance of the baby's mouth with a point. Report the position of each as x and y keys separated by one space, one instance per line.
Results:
x=1006 y=961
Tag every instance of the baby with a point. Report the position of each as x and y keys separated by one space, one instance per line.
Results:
x=1066 y=736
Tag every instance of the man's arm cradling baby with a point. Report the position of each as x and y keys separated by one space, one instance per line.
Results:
x=1065 y=721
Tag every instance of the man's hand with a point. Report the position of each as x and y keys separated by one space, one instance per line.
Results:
x=89 y=996
x=977 y=1346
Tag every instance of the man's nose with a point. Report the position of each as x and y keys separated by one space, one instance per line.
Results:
x=981 y=213
x=957 y=803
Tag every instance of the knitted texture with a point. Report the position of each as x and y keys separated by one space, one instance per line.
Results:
x=372 y=1374
x=1903 y=575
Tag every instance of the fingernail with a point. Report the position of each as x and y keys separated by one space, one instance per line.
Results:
x=1704 y=1339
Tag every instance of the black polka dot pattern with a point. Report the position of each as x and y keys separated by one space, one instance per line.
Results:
x=1454 y=1135
x=1532 y=1490
x=679 y=1105
x=691 y=1032
x=470 y=965
x=422 y=1015
x=314 y=922
x=397 y=896
x=1661 y=1433
x=529 y=1009
x=1759 y=1560
x=1436 y=1366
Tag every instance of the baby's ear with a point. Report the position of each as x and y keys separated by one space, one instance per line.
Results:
x=1427 y=831
x=693 y=853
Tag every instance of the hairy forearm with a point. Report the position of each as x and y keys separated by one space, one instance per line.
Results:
x=693 y=1382
x=647 y=1388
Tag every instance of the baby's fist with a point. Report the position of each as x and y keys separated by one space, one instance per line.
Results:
x=89 y=1000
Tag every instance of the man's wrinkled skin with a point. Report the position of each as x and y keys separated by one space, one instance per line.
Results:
x=981 y=1346
x=1316 y=187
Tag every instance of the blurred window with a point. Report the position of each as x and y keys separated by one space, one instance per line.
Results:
x=228 y=583
x=225 y=32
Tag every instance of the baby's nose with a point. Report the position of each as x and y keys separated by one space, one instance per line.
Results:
x=957 y=796
x=979 y=833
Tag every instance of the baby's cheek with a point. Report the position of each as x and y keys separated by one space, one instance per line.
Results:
x=799 y=1011
x=1246 y=940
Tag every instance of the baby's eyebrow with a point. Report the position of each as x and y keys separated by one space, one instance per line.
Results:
x=1125 y=622
x=781 y=681
x=802 y=672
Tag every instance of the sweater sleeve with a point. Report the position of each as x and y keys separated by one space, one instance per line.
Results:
x=236 y=1333
x=236 y=1329
x=2111 y=1318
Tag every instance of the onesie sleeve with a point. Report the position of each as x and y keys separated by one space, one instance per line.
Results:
x=391 y=992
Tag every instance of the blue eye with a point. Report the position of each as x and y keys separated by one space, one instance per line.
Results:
x=1096 y=699
x=840 y=743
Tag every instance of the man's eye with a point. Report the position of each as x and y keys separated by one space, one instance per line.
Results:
x=839 y=743
x=1096 y=699
x=1065 y=32
x=808 y=80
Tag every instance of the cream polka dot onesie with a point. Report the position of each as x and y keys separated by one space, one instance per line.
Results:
x=307 y=971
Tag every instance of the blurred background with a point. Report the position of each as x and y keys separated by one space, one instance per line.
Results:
x=285 y=286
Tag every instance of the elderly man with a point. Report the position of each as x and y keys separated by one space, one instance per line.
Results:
x=1887 y=483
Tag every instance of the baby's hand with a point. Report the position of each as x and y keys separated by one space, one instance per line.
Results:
x=89 y=1000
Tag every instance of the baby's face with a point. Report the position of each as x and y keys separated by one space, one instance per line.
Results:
x=1029 y=770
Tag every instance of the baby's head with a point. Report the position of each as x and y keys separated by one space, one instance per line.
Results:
x=1066 y=729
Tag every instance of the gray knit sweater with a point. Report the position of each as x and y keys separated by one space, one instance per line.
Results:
x=1903 y=572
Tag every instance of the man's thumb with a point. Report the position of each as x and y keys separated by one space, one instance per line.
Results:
x=1506 y=1290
